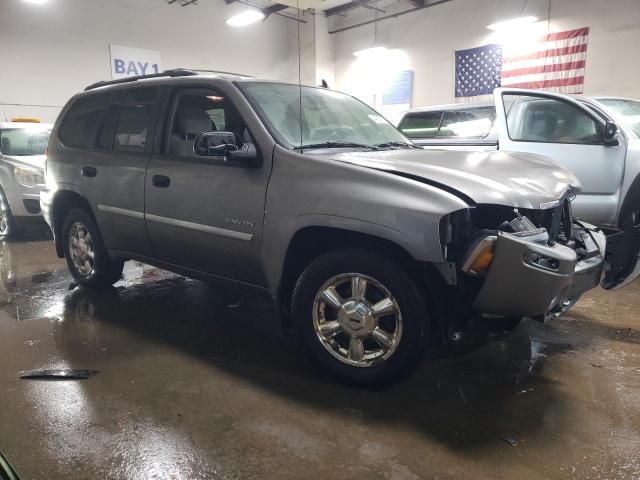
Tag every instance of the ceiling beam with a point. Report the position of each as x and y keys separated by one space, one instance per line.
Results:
x=275 y=8
x=351 y=5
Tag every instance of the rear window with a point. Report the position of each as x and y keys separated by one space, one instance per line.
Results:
x=80 y=125
x=472 y=122
x=420 y=124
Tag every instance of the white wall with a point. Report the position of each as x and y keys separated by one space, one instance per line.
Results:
x=429 y=37
x=325 y=53
x=49 y=52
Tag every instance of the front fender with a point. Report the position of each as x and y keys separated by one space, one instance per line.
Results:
x=309 y=191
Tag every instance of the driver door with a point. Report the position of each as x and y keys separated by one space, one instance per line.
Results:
x=559 y=127
x=203 y=213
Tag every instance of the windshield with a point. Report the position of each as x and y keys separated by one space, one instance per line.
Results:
x=24 y=141
x=627 y=110
x=329 y=119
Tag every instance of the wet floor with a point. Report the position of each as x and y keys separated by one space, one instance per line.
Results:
x=197 y=383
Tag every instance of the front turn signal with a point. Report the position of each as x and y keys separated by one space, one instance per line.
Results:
x=481 y=264
x=480 y=257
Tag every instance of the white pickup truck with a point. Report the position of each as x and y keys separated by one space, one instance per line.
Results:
x=598 y=139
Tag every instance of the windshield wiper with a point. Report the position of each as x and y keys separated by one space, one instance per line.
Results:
x=396 y=144
x=337 y=145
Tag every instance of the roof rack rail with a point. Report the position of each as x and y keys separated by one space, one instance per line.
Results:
x=176 y=72
x=221 y=72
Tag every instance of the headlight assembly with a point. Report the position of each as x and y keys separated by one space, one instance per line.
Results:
x=29 y=177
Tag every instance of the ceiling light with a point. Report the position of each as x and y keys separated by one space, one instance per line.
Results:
x=514 y=22
x=37 y=2
x=368 y=52
x=245 y=18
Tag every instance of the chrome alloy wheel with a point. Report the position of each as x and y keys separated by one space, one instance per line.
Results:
x=357 y=320
x=81 y=249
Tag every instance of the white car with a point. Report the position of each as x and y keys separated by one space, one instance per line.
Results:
x=22 y=163
x=598 y=139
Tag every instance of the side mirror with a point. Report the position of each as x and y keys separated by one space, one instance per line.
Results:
x=611 y=134
x=213 y=144
x=223 y=144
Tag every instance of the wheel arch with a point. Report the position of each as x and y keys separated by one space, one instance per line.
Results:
x=631 y=200
x=310 y=242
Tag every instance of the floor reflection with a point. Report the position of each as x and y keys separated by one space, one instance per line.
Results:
x=184 y=365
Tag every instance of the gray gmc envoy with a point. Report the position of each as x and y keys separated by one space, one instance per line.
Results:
x=375 y=249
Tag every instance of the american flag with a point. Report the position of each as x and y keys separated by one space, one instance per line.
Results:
x=478 y=70
x=554 y=62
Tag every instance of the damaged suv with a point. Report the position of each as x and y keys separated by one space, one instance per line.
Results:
x=373 y=247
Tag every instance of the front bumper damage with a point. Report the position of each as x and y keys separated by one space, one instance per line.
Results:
x=528 y=277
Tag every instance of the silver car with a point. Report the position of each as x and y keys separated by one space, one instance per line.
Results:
x=374 y=248
x=22 y=162
x=598 y=139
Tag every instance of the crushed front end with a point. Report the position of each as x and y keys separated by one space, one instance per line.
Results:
x=523 y=262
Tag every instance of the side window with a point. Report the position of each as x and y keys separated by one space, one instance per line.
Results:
x=134 y=121
x=197 y=111
x=108 y=127
x=541 y=119
x=470 y=122
x=80 y=125
x=420 y=124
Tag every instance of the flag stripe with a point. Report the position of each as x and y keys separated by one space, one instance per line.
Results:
x=538 y=62
x=549 y=67
x=548 y=53
x=564 y=35
x=517 y=50
x=535 y=77
x=544 y=84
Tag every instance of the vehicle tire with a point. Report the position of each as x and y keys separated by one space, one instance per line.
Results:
x=8 y=228
x=361 y=317
x=87 y=258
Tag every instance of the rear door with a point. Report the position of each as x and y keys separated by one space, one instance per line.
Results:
x=112 y=134
x=559 y=127
x=204 y=213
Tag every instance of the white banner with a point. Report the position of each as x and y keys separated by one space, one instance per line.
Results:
x=128 y=61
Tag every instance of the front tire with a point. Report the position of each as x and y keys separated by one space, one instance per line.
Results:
x=361 y=317
x=87 y=258
x=8 y=227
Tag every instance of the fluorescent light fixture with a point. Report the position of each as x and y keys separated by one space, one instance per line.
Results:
x=245 y=18
x=37 y=2
x=514 y=22
x=368 y=52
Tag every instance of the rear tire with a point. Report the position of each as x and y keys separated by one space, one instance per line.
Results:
x=369 y=336
x=87 y=258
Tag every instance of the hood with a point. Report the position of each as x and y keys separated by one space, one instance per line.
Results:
x=33 y=161
x=513 y=179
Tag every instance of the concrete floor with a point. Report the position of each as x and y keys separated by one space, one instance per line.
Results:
x=192 y=386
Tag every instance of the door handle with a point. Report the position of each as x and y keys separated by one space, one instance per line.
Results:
x=160 y=181
x=89 y=172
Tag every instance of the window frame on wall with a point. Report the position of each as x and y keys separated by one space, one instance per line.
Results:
x=586 y=112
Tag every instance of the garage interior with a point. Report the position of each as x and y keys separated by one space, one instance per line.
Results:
x=203 y=381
